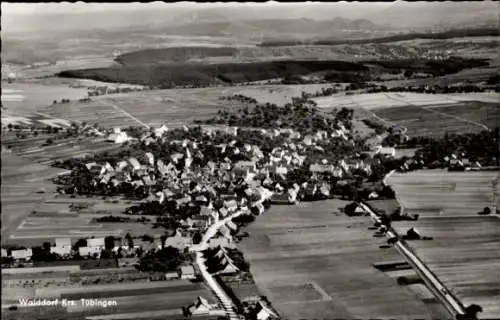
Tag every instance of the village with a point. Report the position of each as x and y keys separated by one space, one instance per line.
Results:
x=204 y=184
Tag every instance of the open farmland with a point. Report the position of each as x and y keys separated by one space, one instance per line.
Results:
x=54 y=219
x=464 y=255
x=21 y=180
x=326 y=259
x=33 y=148
x=425 y=114
x=439 y=192
x=172 y=106
x=383 y=100
x=139 y=300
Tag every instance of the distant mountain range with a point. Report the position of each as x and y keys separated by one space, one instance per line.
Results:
x=303 y=18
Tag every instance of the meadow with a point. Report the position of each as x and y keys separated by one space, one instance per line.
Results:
x=312 y=262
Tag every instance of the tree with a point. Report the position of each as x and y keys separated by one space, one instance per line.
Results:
x=147 y=237
x=130 y=240
x=486 y=211
x=197 y=237
x=109 y=242
x=46 y=246
x=163 y=238
x=79 y=244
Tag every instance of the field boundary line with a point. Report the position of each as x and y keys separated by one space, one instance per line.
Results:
x=438 y=112
x=128 y=114
x=322 y=292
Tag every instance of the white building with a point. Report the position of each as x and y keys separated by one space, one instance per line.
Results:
x=386 y=151
x=62 y=247
x=119 y=137
x=22 y=254
x=89 y=251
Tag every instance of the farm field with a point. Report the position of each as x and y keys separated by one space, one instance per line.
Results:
x=328 y=258
x=469 y=117
x=464 y=255
x=21 y=179
x=32 y=148
x=33 y=120
x=53 y=219
x=171 y=106
x=382 y=100
x=138 y=300
x=442 y=193
x=424 y=114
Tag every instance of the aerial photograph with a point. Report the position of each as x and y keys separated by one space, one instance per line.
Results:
x=250 y=161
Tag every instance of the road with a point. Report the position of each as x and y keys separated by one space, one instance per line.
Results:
x=451 y=303
x=227 y=303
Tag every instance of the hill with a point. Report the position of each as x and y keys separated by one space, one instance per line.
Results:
x=184 y=74
x=174 y=54
x=198 y=74
x=450 y=34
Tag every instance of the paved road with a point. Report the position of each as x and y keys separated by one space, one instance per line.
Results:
x=451 y=303
x=227 y=303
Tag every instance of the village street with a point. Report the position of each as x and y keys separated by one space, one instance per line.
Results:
x=225 y=300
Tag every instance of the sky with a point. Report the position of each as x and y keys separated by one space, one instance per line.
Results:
x=66 y=7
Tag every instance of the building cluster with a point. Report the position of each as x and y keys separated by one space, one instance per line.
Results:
x=192 y=177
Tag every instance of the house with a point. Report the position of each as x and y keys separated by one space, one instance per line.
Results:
x=321 y=168
x=231 y=205
x=386 y=151
x=263 y=312
x=183 y=201
x=325 y=190
x=90 y=165
x=187 y=223
x=171 y=275
x=21 y=254
x=187 y=272
x=62 y=247
x=279 y=170
x=199 y=307
x=120 y=137
x=95 y=243
x=202 y=222
x=231 y=225
x=225 y=231
x=244 y=166
x=89 y=251
x=136 y=165
x=178 y=241
x=121 y=165
x=158 y=132
x=229 y=267
x=206 y=211
x=308 y=140
x=219 y=242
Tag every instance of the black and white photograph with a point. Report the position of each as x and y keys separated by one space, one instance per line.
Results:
x=250 y=160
